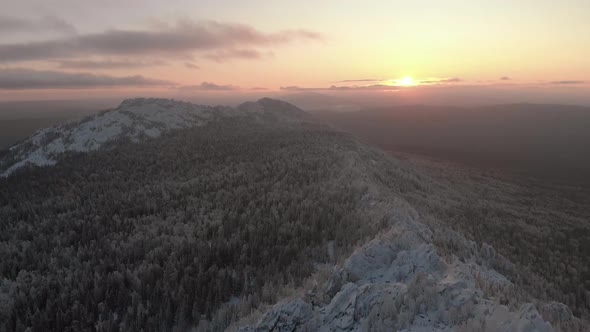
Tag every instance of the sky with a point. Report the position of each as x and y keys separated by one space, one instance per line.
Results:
x=424 y=51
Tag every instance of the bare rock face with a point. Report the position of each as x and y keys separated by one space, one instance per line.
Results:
x=398 y=282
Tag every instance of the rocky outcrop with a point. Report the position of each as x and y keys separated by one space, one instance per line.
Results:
x=289 y=316
x=399 y=282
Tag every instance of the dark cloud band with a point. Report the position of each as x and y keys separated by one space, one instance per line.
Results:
x=9 y=24
x=361 y=80
x=567 y=82
x=180 y=40
x=374 y=87
x=21 y=79
x=108 y=64
x=208 y=86
x=224 y=55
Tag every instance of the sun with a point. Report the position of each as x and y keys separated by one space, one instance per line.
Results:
x=407 y=80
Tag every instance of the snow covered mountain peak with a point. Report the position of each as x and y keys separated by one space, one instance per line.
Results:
x=274 y=108
x=133 y=119
x=174 y=113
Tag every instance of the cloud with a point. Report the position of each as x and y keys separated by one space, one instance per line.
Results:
x=191 y=65
x=360 y=80
x=208 y=86
x=21 y=79
x=179 y=40
x=504 y=78
x=223 y=55
x=567 y=82
x=440 y=80
x=298 y=88
x=108 y=64
x=451 y=80
x=9 y=24
x=374 y=87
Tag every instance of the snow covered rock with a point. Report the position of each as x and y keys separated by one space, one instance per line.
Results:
x=558 y=312
x=339 y=314
x=398 y=282
x=286 y=317
x=335 y=282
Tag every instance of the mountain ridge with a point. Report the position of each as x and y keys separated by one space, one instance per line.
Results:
x=416 y=275
x=134 y=119
x=220 y=204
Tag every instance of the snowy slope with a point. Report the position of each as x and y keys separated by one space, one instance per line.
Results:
x=134 y=119
x=400 y=280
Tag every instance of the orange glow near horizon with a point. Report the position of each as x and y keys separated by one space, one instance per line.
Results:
x=244 y=47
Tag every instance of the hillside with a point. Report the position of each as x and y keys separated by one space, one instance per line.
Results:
x=133 y=120
x=254 y=218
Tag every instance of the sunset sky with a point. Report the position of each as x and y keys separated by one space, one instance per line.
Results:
x=465 y=48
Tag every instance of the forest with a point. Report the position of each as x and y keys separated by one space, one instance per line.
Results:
x=158 y=235
x=539 y=229
x=203 y=226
